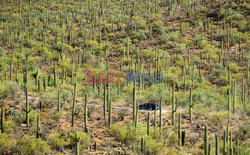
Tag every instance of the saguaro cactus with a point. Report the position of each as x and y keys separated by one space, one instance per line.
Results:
x=142 y=144
x=216 y=145
x=148 y=124
x=73 y=108
x=58 y=102
x=160 y=114
x=110 y=114
x=183 y=138
x=234 y=97
x=85 y=114
x=27 y=109
x=224 y=143
x=136 y=116
x=179 y=129
x=38 y=129
x=2 y=120
x=134 y=101
x=205 y=141
x=104 y=102
x=77 y=138
x=174 y=105
x=209 y=149
x=231 y=143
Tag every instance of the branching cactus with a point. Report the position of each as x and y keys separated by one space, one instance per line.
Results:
x=2 y=120
x=38 y=129
x=85 y=114
x=27 y=109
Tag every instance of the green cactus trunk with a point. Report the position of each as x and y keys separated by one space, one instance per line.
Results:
x=231 y=143
x=205 y=141
x=209 y=149
x=27 y=109
x=134 y=102
x=216 y=145
x=183 y=138
x=104 y=102
x=160 y=114
x=190 y=106
x=234 y=98
x=173 y=106
x=142 y=144
x=85 y=114
x=55 y=80
x=73 y=108
x=44 y=84
x=179 y=129
x=110 y=114
x=38 y=129
x=148 y=124
x=136 y=115
x=77 y=138
x=224 y=143
x=58 y=102
x=2 y=120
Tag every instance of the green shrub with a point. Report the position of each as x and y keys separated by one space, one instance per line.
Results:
x=6 y=143
x=11 y=89
x=84 y=140
x=57 y=141
x=218 y=118
x=30 y=145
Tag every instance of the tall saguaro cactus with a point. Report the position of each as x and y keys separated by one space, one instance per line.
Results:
x=191 y=104
x=73 y=108
x=38 y=129
x=27 y=109
x=205 y=141
x=174 y=105
x=110 y=114
x=216 y=145
x=58 y=102
x=179 y=129
x=77 y=138
x=85 y=114
x=160 y=114
x=148 y=124
x=234 y=97
x=2 y=120
x=104 y=102
x=134 y=101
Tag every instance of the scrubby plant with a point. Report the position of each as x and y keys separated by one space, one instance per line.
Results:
x=7 y=143
x=83 y=142
x=31 y=145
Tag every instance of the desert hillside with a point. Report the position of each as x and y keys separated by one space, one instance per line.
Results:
x=75 y=77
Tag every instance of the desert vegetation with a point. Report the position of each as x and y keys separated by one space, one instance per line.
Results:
x=73 y=74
